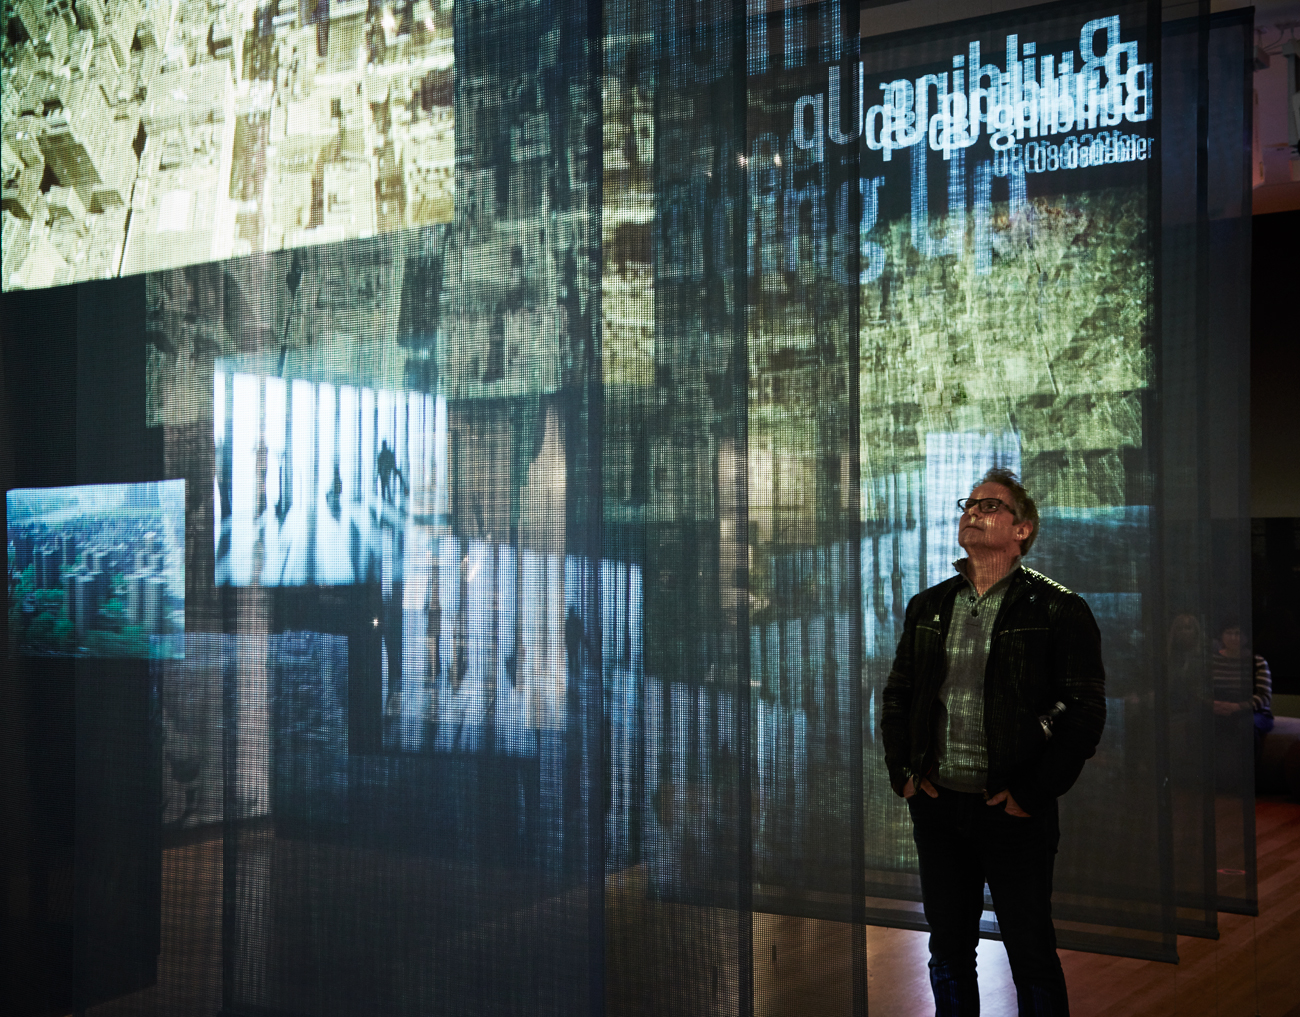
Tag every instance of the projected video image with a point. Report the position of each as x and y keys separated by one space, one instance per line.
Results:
x=97 y=571
x=628 y=214
x=316 y=483
x=141 y=135
x=1007 y=265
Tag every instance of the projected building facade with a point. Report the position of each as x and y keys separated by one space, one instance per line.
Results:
x=97 y=570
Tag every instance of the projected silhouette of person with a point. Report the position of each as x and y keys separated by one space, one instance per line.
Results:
x=334 y=496
x=575 y=640
x=387 y=467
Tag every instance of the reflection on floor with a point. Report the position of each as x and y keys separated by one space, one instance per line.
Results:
x=1250 y=969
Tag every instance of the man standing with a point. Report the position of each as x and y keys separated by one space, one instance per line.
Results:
x=995 y=699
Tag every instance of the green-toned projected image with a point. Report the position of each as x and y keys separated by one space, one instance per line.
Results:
x=627 y=224
x=801 y=344
x=141 y=136
x=1007 y=258
x=97 y=571
x=1051 y=344
x=369 y=311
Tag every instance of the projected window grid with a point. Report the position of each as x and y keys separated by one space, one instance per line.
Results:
x=311 y=475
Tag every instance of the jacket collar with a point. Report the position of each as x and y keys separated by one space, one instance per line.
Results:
x=1021 y=582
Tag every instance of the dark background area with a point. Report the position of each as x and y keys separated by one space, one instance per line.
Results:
x=1275 y=572
x=1275 y=365
x=1275 y=445
x=79 y=837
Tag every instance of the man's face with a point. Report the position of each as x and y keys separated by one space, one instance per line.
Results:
x=995 y=532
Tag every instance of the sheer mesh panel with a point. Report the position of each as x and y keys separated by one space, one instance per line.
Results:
x=1021 y=330
x=804 y=580
x=1206 y=235
x=404 y=544
x=678 y=909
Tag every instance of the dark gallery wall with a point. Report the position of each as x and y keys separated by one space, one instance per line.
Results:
x=37 y=738
x=78 y=805
x=1275 y=446
x=1275 y=366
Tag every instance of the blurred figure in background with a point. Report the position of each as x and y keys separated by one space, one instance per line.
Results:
x=1227 y=665
x=1185 y=663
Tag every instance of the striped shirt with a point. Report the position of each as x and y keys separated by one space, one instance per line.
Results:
x=1229 y=675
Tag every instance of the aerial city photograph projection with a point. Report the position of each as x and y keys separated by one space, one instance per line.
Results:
x=97 y=571
x=141 y=135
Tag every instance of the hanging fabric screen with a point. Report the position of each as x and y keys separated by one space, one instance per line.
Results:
x=1206 y=241
x=680 y=928
x=1077 y=244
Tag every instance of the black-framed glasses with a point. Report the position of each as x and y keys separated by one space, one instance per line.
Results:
x=987 y=506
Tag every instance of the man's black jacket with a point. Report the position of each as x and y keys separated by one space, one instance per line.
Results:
x=1045 y=649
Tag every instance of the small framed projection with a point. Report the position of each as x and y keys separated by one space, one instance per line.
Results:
x=97 y=571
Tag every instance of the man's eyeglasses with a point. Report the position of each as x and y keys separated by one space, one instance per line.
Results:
x=986 y=506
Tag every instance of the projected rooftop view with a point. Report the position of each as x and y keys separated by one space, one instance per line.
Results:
x=142 y=135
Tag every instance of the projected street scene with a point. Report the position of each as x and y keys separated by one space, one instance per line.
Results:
x=484 y=652
x=142 y=135
x=482 y=644
x=318 y=483
x=97 y=571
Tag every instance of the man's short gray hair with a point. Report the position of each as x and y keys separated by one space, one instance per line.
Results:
x=1024 y=508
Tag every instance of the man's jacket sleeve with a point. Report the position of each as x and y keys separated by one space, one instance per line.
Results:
x=896 y=704
x=1080 y=682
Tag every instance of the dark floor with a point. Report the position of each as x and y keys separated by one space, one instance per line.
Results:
x=803 y=966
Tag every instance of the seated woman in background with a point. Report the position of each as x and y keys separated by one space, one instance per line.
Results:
x=1227 y=663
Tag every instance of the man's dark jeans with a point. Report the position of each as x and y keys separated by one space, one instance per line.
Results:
x=963 y=843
